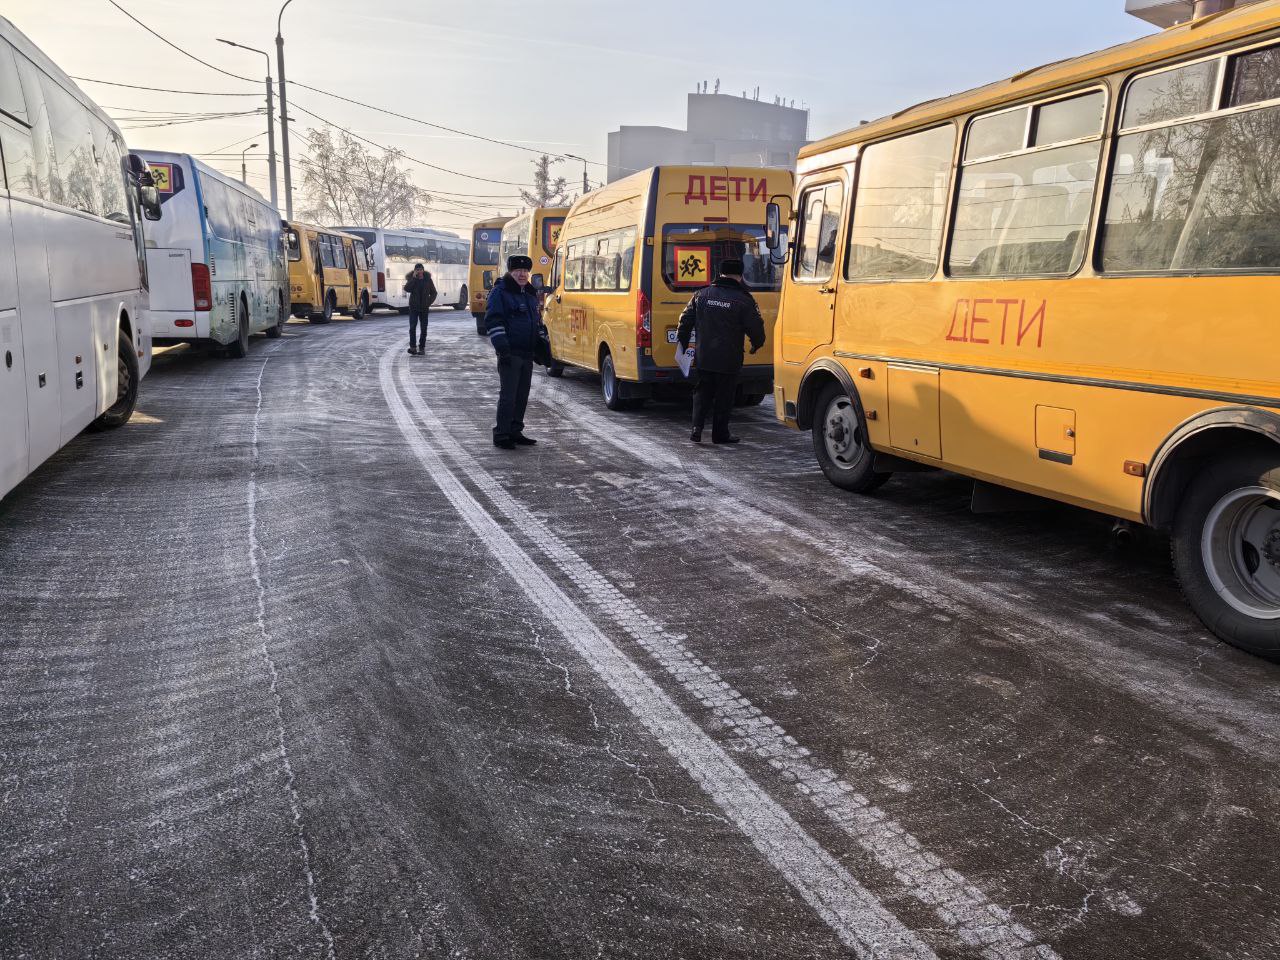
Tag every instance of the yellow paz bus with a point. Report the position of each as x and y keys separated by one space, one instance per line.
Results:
x=631 y=256
x=486 y=242
x=1064 y=284
x=533 y=234
x=329 y=272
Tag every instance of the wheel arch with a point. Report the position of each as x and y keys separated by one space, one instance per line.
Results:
x=603 y=348
x=124 y=323
x=815 y=380
x=1201 y=437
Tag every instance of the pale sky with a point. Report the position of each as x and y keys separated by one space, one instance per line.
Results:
x=555 y=75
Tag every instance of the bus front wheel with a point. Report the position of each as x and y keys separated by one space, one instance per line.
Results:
x=840 y=442
x=118 y=414
x=1226 y=551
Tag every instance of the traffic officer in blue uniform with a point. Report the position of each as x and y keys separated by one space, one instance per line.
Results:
x=513 y=321
x=722 y=314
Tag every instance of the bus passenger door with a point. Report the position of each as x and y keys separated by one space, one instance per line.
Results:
x=807 y=320
x=13 y=388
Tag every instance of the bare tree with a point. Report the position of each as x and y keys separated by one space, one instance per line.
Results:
x=345 y=182
x=547 y=191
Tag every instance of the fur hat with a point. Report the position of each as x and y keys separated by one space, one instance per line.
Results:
x=519 y=262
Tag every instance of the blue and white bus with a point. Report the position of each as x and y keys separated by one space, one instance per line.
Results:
x=216 y=258
x=74 y=342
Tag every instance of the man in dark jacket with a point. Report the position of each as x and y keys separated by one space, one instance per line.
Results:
x=721 y=315
x=422 y=294
x=513 y=321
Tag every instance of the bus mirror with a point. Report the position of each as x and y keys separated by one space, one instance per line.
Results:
x=149 y=200
x=773 y=226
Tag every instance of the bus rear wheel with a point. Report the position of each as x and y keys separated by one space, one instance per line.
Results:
x=361 y=308
x=609 y=386
x=274 y=332
x=1226 y=551
x=840 y=442
x=480 y=330
x=239 y=347
x=326 y=310
x=462 y=300
x=118 y=414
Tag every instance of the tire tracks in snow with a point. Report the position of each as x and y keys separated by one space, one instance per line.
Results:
x=857 y=917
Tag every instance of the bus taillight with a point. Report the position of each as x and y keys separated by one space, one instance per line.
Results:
x=644 y=322
x=201 y=287
x=382 y=282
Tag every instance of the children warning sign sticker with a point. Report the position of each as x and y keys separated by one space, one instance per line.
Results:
x=693 y=266
x=162 y=174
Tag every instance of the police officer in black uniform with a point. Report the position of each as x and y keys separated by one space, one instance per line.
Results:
x=513 y=321
x=722 y=315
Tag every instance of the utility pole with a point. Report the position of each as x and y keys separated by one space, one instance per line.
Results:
x=244 y=168
x=271 y=121
x=586 y=184
x=284 y=117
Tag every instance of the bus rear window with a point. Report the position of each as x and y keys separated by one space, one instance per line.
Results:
x=485 y=246
x=692 y=254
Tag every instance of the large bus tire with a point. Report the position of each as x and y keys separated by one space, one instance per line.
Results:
x=463 y=300
x=480 y=330
x=274 y=332
x=1226 y=551
x=610 y=388
x=118 y=414
x=840 y=442
x=239 y=347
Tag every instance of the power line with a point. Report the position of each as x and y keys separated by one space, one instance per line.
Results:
x=189 y=93
x=456 y=173
x=170 y=43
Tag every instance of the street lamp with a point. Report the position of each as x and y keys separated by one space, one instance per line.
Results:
x=244 y=169
x=586 y=184
x=271 y=120
x=284 y=116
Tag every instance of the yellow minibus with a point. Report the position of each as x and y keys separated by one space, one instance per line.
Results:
x=1063 y=284
x=535 y=235
x=631 y=256
x=328 y=273
x=486 y=241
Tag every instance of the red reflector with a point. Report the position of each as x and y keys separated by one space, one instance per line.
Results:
x=201 y=287
x=382 y=282
x=184 y=323
x=644 y=321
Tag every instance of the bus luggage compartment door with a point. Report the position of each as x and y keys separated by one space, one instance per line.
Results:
x=914 y=410
x=170 y=275
x=13 y=388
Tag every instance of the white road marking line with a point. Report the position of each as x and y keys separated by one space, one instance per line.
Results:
x=960 y=905
x=290 y=783
x=859 y=920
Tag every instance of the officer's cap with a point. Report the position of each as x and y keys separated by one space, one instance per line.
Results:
x=519 y=262
x=731 y=268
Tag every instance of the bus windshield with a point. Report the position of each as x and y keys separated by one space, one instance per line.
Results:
x=692 y=254
x=485 y=246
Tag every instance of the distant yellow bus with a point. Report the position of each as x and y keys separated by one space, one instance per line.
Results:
x=329 y=272
x=1065 y=284
x=631 y=256
x=486 y=242
x=535 y=235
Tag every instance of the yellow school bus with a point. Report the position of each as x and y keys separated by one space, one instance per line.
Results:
x=328 y=273
x=535 y=235
x=486 y=242
x=631 y=256
x=1065 y=284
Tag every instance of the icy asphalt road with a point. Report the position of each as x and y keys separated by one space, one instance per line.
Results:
x=297 y=664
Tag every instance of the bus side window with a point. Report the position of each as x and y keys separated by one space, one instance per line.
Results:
x=12 y=101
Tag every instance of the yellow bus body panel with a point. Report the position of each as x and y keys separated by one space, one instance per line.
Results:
x=1065 y=388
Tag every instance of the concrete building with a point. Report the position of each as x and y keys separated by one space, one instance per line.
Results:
x=721 y=130
x=1165 y=13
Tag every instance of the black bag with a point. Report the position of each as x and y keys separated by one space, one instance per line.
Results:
x=542 y=348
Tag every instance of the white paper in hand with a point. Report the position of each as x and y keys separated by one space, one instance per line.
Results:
x=685 y=359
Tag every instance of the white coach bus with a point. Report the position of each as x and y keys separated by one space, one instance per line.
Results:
x=446 y=256
x=216 y=258
x=73 y=336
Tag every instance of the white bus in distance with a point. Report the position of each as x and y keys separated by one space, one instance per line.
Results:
x=446 y=256
x=74 y=343
x=216 y=258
